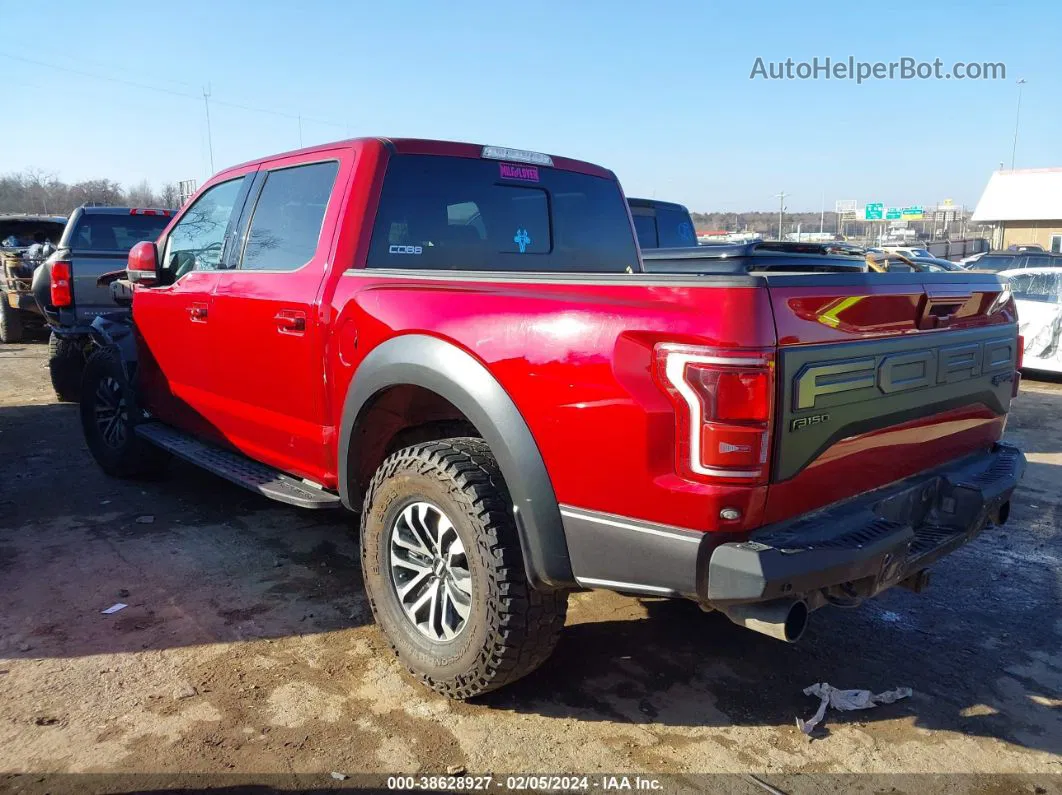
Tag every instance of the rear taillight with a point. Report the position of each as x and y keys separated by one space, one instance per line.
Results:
x=62 y=295
x=724 y=401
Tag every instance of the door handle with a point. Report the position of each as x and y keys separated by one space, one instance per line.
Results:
x=198 y=313
x=290 y=321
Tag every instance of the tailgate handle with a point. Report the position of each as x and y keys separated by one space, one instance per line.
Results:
x=939 y=310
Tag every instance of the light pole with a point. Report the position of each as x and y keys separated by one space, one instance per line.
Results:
x=1017 y=118
x=210 y=138
x=781 y=209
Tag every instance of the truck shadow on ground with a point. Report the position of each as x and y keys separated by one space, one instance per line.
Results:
x=202 y=561
x=980 y=649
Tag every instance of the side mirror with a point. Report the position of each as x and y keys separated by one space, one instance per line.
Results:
x=143 y=267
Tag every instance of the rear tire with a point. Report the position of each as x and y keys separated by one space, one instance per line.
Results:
x=10 y=322
x=66 y=363
x=109 y=415
x=440 y=511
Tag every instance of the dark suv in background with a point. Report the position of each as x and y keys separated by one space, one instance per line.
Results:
x=999 y=261
x=96 y=241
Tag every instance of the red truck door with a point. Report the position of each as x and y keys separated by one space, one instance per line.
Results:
x=267 y=336
x=174 y=320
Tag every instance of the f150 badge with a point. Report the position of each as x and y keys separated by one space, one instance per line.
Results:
x=800 y=423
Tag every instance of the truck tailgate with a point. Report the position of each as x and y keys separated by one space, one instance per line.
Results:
x=881 y=376
x=86 y=267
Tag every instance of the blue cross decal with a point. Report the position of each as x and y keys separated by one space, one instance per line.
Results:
x=522 y=240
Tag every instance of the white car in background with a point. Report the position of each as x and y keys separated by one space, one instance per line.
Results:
x=1038 y=295
x=907 y=251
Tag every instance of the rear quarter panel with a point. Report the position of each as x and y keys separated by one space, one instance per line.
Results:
x=575 y=356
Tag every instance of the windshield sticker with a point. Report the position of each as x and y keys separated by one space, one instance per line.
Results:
x=522 y=240
x=685 y=232
x=405 y=249
x=512 y=171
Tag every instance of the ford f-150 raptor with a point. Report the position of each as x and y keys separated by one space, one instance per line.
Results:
x=460 y=343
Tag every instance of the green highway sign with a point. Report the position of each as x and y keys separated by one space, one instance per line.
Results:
x=914 y=213
x=872 y=212
x=893 y=214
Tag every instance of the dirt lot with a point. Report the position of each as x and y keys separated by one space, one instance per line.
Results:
x=247 y=644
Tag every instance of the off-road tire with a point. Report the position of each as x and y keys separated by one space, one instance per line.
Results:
x=132 y=456
x=512 y=627
x=10 y=322
x=66 y=364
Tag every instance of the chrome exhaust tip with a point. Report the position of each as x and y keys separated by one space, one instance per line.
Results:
x=784 y=619
x=1000 y=515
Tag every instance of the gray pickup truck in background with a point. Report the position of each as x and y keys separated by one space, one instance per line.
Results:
x=662 y=224
x=96 y=241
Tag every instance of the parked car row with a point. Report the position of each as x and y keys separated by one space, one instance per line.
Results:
x=462 y=345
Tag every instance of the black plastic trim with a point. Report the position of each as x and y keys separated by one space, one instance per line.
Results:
x=631 y=555
x=455 y=375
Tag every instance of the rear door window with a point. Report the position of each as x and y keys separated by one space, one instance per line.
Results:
x=452 y=213
x=287 y=218
x=114 y=232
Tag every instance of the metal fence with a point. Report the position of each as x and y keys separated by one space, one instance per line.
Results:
x=956 y=249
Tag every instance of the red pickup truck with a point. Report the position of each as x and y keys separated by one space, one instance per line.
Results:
x=459 y=342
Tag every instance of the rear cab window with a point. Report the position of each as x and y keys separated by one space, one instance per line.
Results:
x=456 y=213
x=674 y=227
x=645 y=228
x=116 y=232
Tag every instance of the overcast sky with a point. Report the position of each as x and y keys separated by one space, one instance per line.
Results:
x=660 y=92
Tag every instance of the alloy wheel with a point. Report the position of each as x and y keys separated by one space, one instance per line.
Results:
x=430 y=571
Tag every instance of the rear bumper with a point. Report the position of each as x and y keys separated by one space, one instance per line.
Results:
x=864 y=546
x=845 y=552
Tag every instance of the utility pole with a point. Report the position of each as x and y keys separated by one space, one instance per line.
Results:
x=300 y=131
x=822 y=214
x=781 y=209
x=1017 y=118
x=210 y=138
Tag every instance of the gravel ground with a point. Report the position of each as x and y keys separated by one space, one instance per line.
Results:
x=247 y=644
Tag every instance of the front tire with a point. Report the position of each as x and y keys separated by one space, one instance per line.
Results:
x=109 y=415
x=66 y=364
x=445 y=574
x=10 y=322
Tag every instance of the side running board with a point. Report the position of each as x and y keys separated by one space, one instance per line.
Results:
x=238 y=468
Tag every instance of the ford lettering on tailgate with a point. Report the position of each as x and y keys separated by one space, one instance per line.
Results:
x=901 y=371
x=840 y=390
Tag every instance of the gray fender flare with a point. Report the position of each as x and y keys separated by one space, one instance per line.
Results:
x=455 y=375
x=116 y=330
